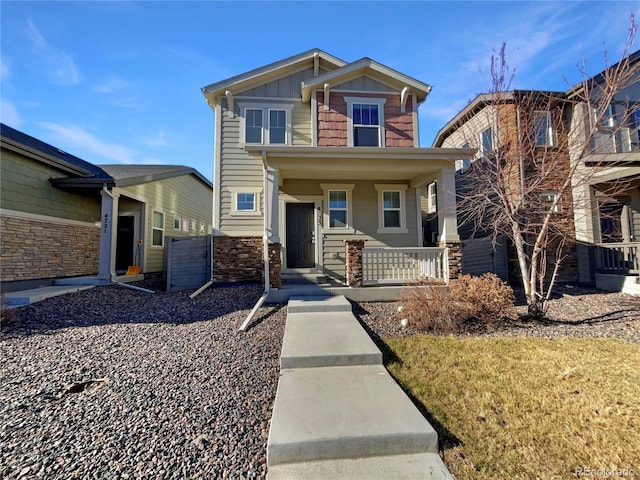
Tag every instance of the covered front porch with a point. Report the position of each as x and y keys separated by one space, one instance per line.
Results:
x=353 y=216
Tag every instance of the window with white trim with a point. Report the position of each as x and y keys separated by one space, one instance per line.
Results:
x=543 y=129
x=432 y=197
x=176 y=223
x=245 y=201
x=253 y=125
x=157 y=235
x=391 y=215
x=365 y=121
x=266 y=124
x=338 y=211
x=338 y=207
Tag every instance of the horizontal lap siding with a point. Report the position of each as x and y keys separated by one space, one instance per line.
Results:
x=185 y=197
x=25 y=187
x=364 y=219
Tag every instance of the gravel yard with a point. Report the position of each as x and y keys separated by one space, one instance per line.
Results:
x=115 y=383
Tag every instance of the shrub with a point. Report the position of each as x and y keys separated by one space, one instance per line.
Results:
x=468 y=302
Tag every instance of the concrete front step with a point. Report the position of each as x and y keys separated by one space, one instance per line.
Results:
x=303 y=279
x=344 y=413
x=320 y=304
x=398 y=467
x=326 y=340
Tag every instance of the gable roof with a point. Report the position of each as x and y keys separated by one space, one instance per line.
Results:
x=38 y=150
x=366 y=66
x=482 y=100
x=127 y=175
x=272 y=71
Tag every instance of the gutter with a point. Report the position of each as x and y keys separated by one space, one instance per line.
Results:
x=265 y=246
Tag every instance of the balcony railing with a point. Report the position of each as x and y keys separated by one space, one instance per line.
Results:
x=618 y=258
x=388 y=265
x=620 y=140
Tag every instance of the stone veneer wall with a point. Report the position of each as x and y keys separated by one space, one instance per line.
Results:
x=239 y=259
x=353 y=254
x=37 y=249
x=455 y=258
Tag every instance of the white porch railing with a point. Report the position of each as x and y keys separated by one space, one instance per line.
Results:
x=388 y=265
x=618 y=257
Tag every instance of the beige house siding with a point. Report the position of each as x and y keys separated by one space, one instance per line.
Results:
x=332 y=123
x=364 y=218
x=25 y=187
x=185 y=197
x=289 y=86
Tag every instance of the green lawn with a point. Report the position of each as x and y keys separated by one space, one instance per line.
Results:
x=526 y=407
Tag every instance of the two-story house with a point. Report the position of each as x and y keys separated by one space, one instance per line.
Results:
x=607 y=183
x=600 y=214
x=527 y=131
x=317 y=160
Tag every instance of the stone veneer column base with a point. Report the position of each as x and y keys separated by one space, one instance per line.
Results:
x=240 y=259
x=354 y=273
x=455 y=258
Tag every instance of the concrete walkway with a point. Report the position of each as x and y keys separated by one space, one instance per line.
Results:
x=338 y=413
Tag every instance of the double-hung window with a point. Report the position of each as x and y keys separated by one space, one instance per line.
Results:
x=157 y=234
x=266 y=124
x=391 y=216
x=338 y=207
x=365 y=121
x=543 y=129
x=253 y=125
x=432 y=197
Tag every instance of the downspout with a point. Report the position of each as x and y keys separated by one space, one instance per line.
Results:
x=265 y=245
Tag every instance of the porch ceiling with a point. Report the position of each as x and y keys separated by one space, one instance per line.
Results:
x=415 y=165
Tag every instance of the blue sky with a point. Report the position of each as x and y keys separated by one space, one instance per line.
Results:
x=119 y=82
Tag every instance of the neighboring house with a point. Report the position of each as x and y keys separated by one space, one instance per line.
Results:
x=603 y=245
x=608 y=233
x=317 y=158
x=491 y=122
x=61 y=216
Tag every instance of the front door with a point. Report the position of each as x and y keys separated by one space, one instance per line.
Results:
x=124 y=242
x=300 y=235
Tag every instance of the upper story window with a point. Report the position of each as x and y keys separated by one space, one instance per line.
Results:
x=543 y=129
x=266 y=124
x=486 y=142
x=365 y=121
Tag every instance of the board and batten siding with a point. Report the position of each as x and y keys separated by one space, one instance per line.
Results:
x=364 y=220
x=185 y=197
x=25 y=187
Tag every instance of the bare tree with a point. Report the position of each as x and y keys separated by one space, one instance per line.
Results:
x=535 y=150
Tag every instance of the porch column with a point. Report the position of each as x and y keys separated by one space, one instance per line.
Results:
x=273 y=215
x=108 y=229
x=447 y=219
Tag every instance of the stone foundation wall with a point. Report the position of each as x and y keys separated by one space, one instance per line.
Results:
x=37 y=249
x=353 y=254
x=240 y=259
